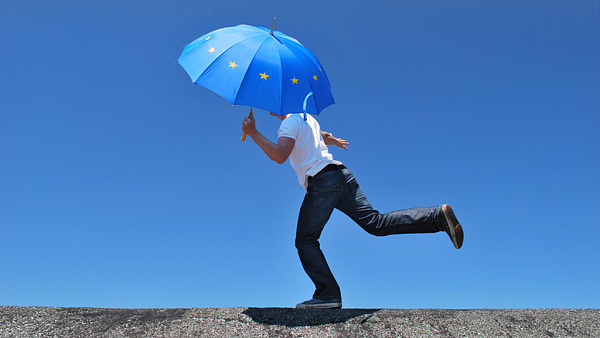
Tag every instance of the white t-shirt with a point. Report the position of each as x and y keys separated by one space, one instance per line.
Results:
x=310 y=153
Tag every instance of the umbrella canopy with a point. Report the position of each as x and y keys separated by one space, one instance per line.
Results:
x=258 y=67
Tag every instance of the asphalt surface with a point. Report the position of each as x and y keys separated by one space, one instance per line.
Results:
x=285 y=322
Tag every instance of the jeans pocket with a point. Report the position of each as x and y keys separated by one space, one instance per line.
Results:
x=325 y=182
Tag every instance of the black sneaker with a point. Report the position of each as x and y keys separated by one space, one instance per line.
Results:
x=320 y=304
x=451 y=226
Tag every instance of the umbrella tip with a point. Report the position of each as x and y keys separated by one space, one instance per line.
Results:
x=272 y=27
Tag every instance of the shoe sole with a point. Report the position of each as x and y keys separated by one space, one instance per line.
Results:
x=456 y=231
x=319 y=306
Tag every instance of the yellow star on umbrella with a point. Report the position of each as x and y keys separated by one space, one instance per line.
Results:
x=294 y=81
x=315 y=77
x=211 y=50
x=208 y=38
x=264 y=75
x=232 y=65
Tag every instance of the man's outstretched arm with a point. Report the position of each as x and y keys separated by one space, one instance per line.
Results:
x=330 y=140
x=278 y=152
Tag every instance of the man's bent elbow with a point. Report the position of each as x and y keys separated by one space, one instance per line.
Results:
x=280 y=160
x=277 y=158
x=280 y=157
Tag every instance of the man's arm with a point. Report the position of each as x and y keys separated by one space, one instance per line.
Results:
x=330 y=140
x=278 y=152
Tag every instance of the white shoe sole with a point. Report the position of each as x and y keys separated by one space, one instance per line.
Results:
x=319 y=306
x=452 y=223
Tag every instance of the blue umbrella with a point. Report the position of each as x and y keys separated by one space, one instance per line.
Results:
x=258 y=67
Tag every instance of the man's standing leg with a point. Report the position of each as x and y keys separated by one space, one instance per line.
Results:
x=322 y=195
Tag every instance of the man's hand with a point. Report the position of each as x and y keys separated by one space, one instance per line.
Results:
x=249 y=125
x=330 y=140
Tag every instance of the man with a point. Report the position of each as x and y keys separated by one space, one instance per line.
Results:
x=329 y=184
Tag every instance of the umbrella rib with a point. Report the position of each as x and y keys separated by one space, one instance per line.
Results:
x=305 y=73
x=249 y=66
x=280 y=81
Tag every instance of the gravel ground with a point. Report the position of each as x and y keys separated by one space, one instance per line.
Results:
x=285 y=322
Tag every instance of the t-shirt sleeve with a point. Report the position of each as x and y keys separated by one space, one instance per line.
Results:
x=289 y=128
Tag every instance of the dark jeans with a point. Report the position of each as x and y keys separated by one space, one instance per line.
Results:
x=339 y=189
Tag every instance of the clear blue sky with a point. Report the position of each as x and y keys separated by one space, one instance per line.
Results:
x=124 y=185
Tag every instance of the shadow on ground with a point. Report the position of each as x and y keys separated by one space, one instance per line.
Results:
x=303 y=317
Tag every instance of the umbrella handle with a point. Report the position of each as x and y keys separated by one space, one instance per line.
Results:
x=250 y=116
